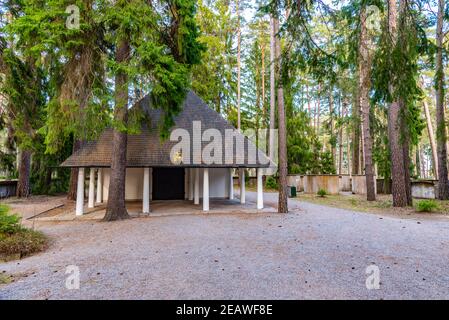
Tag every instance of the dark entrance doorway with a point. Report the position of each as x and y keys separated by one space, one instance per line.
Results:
x=168 y=184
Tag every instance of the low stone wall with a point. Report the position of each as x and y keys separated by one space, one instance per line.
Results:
x=345 y=183
x=314 y=183
x=424 y=189
x=8 y=188
x=359 y=185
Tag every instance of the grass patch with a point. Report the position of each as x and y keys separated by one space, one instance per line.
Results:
x=5 y=279
x=322 y=193
x=17 y=241
x=427 y=206
x=383 y=204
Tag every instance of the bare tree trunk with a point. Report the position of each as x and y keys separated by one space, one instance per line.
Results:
x=71 y=195
x=116 y=207
x=23 y=185
x=331 y=111
x=309 y=107
x=271 y=150
x=318 y=110
x=239 y=64
x=407 y=159
x=443 y=183
x=283 y=169
x=340 y=140
x=418 y=163
x=263 y=72
x=364 y=88
x=399 y=165
x=356 y=136
x=433 y=143
x=348 y=135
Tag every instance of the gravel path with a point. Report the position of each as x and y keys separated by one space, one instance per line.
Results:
x=313 y=253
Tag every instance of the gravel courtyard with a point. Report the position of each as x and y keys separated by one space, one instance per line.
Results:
x=315 y=252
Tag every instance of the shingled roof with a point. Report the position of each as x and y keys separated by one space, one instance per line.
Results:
x=147 y=150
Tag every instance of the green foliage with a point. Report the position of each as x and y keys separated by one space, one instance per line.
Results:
x=7 y=163
x=305 y=153
x=322 y=193
x=214 y=78
x=427 y=206
x=396 y=66
x=271 y=183
x=9 y=224
x=17 y=240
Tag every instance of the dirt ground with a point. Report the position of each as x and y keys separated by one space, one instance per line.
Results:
x=314 y=252
x=35 y=205
x=383 y=205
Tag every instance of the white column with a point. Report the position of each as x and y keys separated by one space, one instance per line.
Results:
x=91 y=188
x=151 y=184
x=191 y=183
x=146 y=191
x=242 y=186
x=100 y=186
x=197 y=186
x=259 y=189
x=206 y=189
x=80 y=193
x=231 y=184
x=186 y=183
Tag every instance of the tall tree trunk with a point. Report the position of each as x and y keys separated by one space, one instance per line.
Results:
x=356 y=135
x=71 y=195
x=309 y=107
x=116 y=207
x=283 y=168
x=348 y=135
x=364 y=88
x=407 y=159
x=264 y=109
x=432 y=140
x=399 y=165
x=318 y=110
x=340 y=139
x=418 y=163
x=332 y=135
x=23 y=185
x=271 y=150
x=443 y=183
x=239 y=66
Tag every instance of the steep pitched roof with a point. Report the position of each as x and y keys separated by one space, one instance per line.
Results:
x=147 y=150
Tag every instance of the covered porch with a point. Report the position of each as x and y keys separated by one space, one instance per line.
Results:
x=159 y=208
x=150 y=191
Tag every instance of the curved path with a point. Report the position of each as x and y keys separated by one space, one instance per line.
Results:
x=314 y=252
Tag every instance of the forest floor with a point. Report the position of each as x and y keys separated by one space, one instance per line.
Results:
x=383 y=205
x=314 y=252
